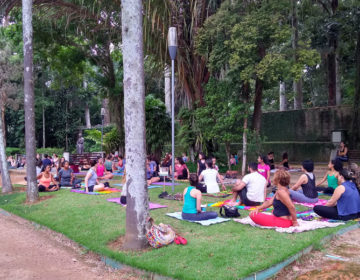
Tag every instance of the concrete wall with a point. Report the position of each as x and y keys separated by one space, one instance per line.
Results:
x=304 y=133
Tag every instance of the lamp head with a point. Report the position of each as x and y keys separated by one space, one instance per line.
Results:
x=102 y=112
x=172 y=42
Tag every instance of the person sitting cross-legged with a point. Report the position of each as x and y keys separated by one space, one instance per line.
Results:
x=192 y=203
x=284 y=213
x=66 y=176
x=251 y=188
x=344 y=203
x=308 y=194
x=45 y=179
x=210 y=176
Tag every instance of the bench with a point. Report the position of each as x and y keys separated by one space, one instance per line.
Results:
x=76 y=159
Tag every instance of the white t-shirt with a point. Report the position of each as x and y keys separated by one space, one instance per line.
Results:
x=209 y=176
x=255 y=184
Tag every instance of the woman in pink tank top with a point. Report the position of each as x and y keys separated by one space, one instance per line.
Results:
x=45 y=179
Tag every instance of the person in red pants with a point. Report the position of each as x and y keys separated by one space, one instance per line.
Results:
x=284 y=213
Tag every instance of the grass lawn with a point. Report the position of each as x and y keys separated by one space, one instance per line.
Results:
x=223 y=251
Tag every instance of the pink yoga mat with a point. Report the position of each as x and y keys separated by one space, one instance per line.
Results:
x=151 y=205
x=165 y=184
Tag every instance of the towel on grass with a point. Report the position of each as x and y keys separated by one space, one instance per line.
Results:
x=111 y=190
x=118 y=173
x=151 y=205
x=177 y=215
x=303 y=225
x=154 y=186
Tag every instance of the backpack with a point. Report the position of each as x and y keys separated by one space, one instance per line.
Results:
x=229 y=211
x=159 y=235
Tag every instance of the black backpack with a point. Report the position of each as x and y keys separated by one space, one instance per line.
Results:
x=229 y=211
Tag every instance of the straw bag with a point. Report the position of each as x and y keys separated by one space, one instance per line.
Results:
x=159 y=235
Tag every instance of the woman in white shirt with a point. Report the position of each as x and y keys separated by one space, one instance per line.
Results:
x=209 y=175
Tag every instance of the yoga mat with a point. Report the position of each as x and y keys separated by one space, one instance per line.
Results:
x=303 y=225
x=177 y=215
x=165 y=184
x=241 y=207
x=118 y=174
x=111 y=190
x=311 y=205
x=151 y=205
x=154 y=187
x=119 y=185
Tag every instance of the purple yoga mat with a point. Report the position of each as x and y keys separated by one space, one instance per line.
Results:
x=151 y=205
x=84 y=192
x=166 y=183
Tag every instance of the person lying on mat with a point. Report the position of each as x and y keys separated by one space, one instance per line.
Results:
x=66 y=176
x=151 y=175
x=331 y=176
x=344 y=203
x=210 y=176
x=91 y=179
x=284 y=213
x=101 y=172
x=45 y=179
x=251 y=189
x=181 y=170
x=308 y=194
x=192 y=203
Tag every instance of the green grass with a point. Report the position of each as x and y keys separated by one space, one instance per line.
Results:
x=222 y=251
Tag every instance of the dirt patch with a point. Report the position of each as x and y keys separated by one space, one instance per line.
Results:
x=27 y=252
x=339 y=259
x=118 y=246
x=41 y=198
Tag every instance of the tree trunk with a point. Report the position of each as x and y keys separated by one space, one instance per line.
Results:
x=283 y=101
x=297 y=85
x=87 y=116
x=66 y=127
x=244 y=152
x=43 y=123
x=355 y=131
x=5 y=178
x=338 y=79
x=32 y=194
x=331 y=79
x=167 y=75
x=137 y=210
x=105 y=105
x=228 y=154
x=256 y=125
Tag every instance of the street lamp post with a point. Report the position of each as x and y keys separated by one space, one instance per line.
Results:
x=102 y=112
x=172 y=44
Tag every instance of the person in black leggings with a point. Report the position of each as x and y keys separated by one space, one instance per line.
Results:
x=344 y=203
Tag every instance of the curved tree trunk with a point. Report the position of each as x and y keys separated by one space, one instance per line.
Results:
x=30 y=140
x=259 y=84
x=283 y=101
x=134 y=107
x=5 y=178
x=87 y=116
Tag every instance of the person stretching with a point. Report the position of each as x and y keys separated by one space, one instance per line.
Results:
x=91 y=179
x=284 y=213
x=344 y=203
x=251 y=189
x=332 y=175
x=45 y=179
x=192 y=203
x=308 y=194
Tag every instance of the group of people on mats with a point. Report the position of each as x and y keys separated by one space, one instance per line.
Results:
x=251 y=190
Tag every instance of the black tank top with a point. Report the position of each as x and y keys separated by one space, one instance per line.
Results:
x=309 y=189
x=280 y=208
x=202 y=166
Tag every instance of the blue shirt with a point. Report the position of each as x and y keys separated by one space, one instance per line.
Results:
x=349 y=201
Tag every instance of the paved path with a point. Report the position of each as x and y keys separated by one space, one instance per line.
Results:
x=27 y=252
